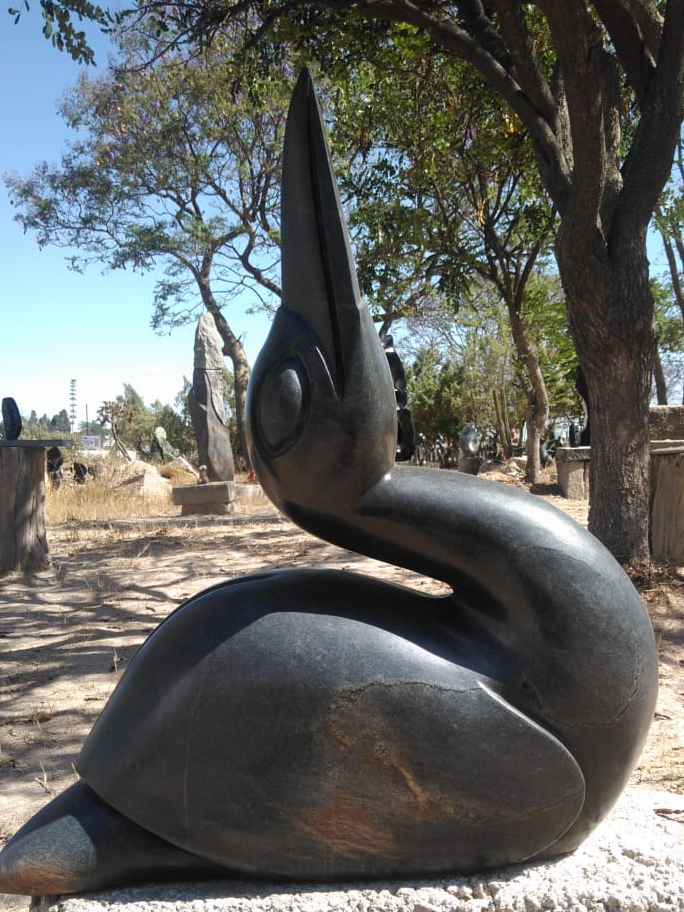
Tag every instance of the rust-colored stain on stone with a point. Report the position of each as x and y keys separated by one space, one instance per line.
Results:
x=369 y=791
x=348 y=825
x=34 y=879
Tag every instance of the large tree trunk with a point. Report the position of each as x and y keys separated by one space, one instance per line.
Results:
x=611 y=315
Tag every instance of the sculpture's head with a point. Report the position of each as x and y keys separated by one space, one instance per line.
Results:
x=321 y=409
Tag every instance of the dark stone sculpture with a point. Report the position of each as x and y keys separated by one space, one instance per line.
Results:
x=324 y=725
x=469 y=458
x=55 y=461
x=406 y=434
x=206 y=403
x=80 y=472
x=11 y=419
x=583 y=390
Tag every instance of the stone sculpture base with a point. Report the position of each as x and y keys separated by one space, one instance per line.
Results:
x=215 y=497
x=667 y=500
x=572 y=465
x=633 y=862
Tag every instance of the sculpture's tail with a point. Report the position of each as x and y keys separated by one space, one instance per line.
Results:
x=79 y=843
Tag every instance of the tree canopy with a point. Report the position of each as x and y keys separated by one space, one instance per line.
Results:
x=599 y=89
x=60 y=18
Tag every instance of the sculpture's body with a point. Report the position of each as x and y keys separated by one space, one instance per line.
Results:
x=469 y=459
x=324 y=725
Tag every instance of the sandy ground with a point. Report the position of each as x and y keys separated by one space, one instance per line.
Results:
x=66 y=635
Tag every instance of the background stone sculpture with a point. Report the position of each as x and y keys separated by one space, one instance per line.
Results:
x=206 y=403
x=406 y=434
x=11 y=419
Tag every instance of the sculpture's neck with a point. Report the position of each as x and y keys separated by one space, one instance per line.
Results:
x=468 y=533
x=525 y=568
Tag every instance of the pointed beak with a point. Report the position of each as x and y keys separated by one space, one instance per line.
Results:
x=318 y=276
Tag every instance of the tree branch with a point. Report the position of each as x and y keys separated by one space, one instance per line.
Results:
x=634 y=27
x=649 y=160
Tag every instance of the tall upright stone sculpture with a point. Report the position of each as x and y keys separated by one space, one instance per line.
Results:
x=215 y=493
x=207 y=405
x=325 y=725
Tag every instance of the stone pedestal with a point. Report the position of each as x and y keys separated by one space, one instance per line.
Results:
x=23 y=539
x=215 y=497
x=249 y=491
x=667 y=500
x=572 y=465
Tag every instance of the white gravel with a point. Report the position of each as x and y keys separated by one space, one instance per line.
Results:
x=634 y=862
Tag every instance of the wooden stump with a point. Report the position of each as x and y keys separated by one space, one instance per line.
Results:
x=667 y=503
x=23 y=540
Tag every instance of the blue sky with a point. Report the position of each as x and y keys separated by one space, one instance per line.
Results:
x=56 y=325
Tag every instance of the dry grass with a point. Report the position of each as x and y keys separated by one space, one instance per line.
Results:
x=105 y=499
x=108 y=497
x=96 y=501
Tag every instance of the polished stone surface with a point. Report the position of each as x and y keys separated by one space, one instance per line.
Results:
x=326 y=726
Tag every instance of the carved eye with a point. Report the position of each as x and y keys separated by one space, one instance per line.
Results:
x=283 y=404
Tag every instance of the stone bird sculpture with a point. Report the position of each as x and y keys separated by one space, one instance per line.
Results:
x=326 y=725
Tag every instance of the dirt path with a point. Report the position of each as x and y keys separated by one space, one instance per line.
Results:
x=67 y=635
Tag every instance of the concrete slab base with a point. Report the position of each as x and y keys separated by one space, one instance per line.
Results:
x=572 y=466
x=214 y=497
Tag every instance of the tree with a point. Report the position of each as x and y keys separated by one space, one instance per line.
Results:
x=59 y=26
x=669 y=370
x=434 y=384
x=598 y=87
x=60 y=423
x=113 y=412
x=439 y=208
x=669 y=221
x=178 y=165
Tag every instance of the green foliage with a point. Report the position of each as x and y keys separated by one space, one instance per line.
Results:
x=178 y=433
x=434 y=387
x=670 y=335
x=544 y=315
x=133 y=423
x=458 y=364
x=60 y=28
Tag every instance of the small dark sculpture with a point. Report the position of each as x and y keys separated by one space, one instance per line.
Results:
x=324 y=725
x=55 y=461
x=575 y=434
x=583 y=390
x=406 y=434
x=469 y=458
x=11 y=419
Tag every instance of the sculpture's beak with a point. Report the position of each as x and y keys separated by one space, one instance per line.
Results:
x=318 y=275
